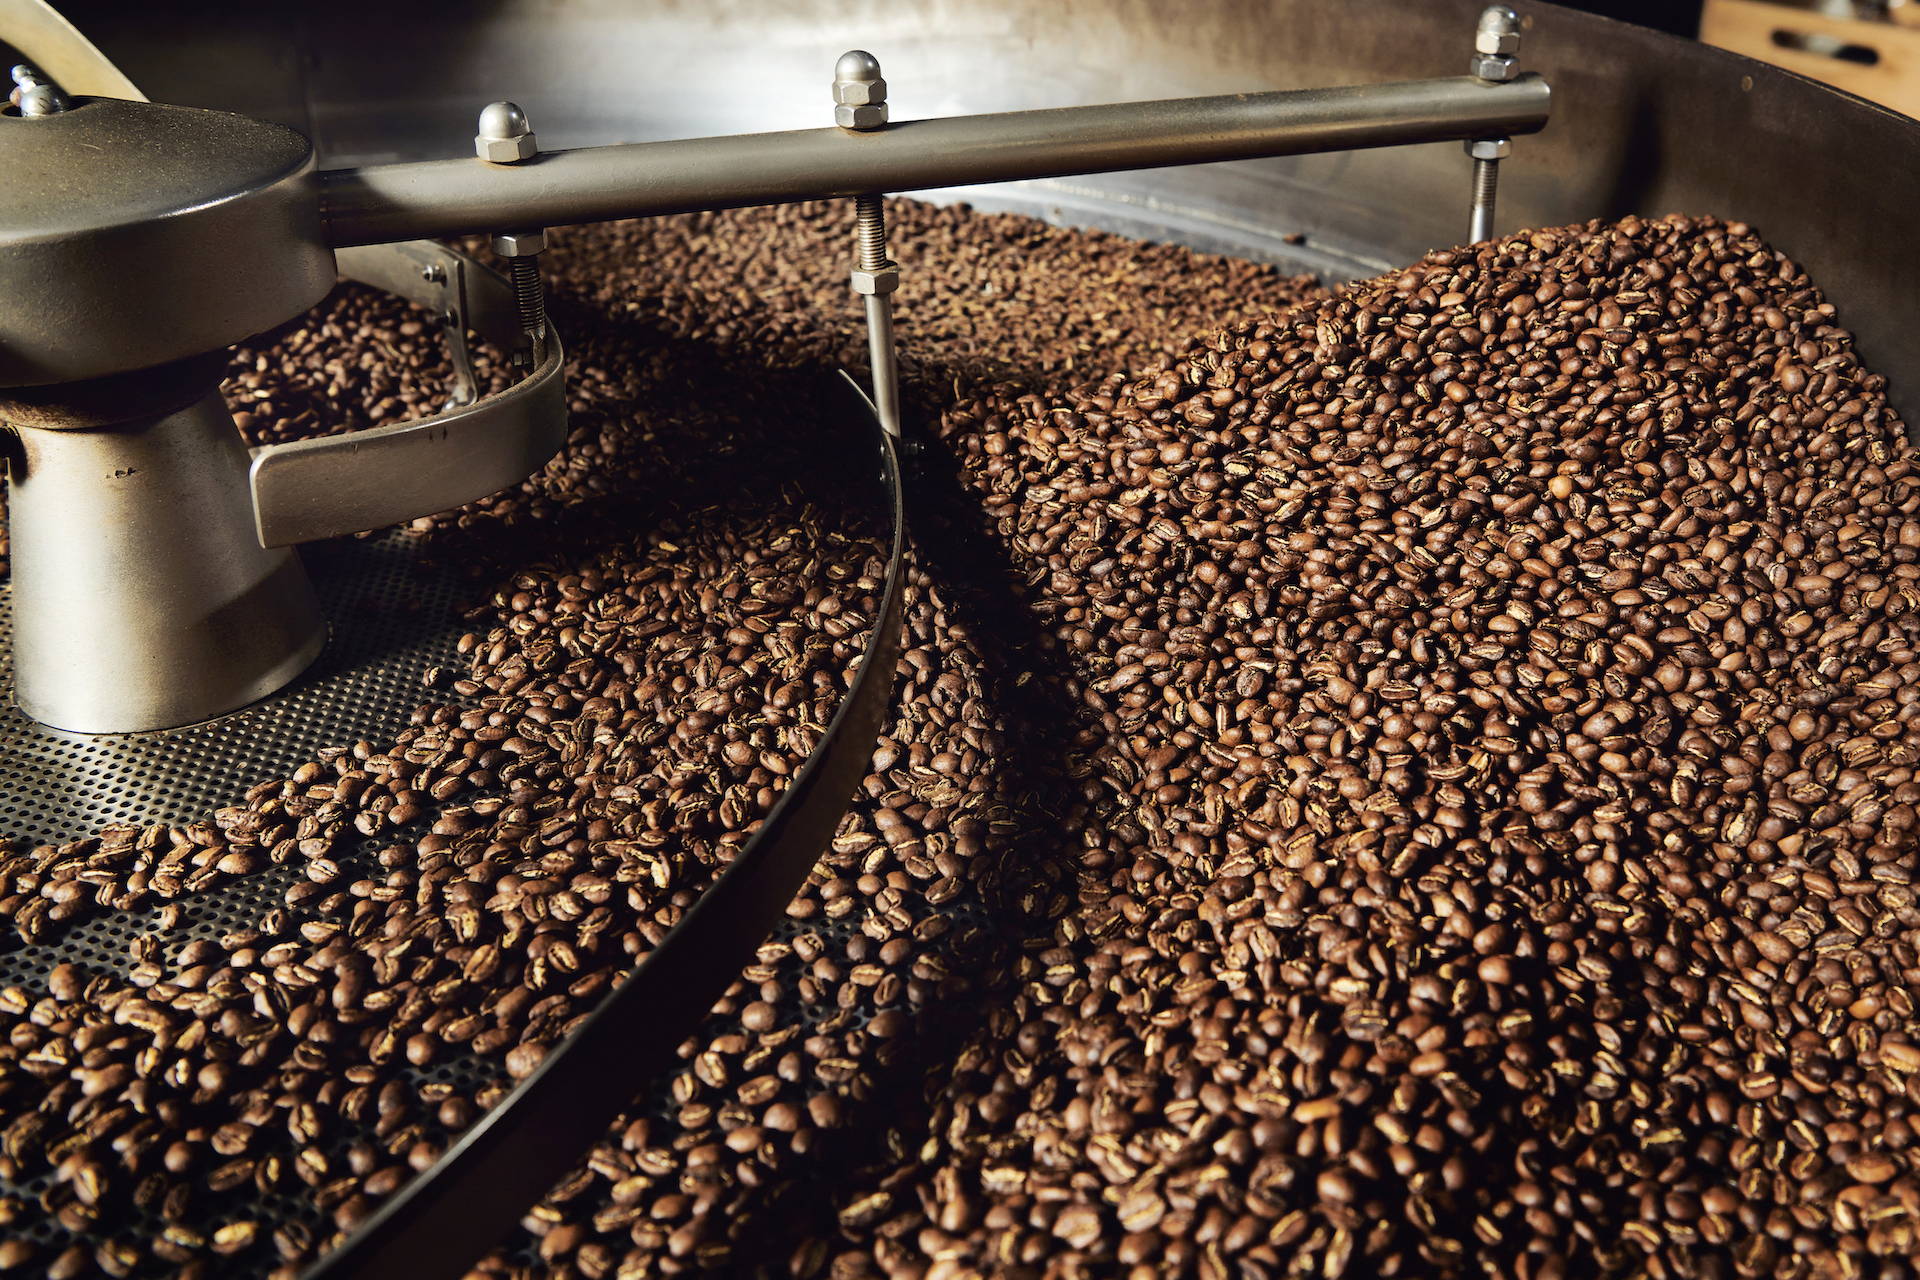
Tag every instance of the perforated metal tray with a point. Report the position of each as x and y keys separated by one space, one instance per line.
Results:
x=395 y=619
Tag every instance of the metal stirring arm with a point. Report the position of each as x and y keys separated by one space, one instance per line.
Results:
x=379 y=203
x=322 y=488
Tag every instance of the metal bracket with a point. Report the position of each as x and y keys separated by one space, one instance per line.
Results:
x=310 y=489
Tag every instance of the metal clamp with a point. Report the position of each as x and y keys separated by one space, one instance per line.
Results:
x=310 y=489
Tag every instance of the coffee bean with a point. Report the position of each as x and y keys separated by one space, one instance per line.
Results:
x=1442 y=786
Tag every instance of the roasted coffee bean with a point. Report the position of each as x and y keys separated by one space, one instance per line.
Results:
x=1438 y=755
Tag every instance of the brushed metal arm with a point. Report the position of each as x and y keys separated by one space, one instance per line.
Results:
x=379 y=203
x=311 y=489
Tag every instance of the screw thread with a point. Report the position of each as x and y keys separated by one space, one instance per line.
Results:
x=870 y=232
x=528 y=298
x=1486 y=182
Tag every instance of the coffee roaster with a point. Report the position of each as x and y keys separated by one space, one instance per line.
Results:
x=140 y=238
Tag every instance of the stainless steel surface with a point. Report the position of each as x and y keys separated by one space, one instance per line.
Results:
x=324 y=487
x=883 y=362
x=440 y=198
x=141 y=599
x=133 y=234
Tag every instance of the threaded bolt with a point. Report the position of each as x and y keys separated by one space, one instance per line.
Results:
x=522 y=251
x=528 y=297
x=1486 y=181
x=860 y=104
x=1496 y=39
x=857 y=77
x=1486 y=189
x=505 y=137
x=870 y=232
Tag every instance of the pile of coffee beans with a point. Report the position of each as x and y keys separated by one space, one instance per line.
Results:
x=1413 y=780
x=1507 y=691
x=668 y=614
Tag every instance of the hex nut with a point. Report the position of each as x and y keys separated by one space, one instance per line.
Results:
x=505 y=150
x=1490 y=148
x=867 y=117
x=1496 y=42
x=518 y=244
x=883 y=281
x=1491 y=66
x=859 y=93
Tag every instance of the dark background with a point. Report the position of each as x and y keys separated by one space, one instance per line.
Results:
x=1681 y=17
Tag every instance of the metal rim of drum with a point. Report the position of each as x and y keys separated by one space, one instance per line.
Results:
x=523 y=1145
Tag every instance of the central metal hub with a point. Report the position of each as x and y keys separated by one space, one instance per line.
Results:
x=153 y=581
x=137 y=242
x=134 y=234
x=141 y=597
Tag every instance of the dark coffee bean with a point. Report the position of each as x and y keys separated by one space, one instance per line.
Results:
x=1448 y=763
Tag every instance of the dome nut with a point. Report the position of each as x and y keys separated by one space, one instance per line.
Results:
x=504 y=135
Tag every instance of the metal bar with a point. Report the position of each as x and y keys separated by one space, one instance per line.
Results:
x=881 y=362
x=304 y=490
x=379 y=203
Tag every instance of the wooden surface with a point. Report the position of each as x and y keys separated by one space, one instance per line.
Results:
x=1749 y=27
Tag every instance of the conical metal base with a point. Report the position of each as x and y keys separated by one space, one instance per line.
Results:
x=142 y=597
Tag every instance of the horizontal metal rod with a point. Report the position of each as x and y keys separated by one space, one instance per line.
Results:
x=379 y=203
